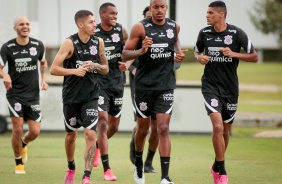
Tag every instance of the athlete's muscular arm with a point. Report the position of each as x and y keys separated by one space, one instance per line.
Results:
x=66 y=50
x=137 y=33
x=6 y=78
x=103 y=67
x=123 y=66
x=43 y=68
x=201 y=58
x=249 y=57
x=180 y=54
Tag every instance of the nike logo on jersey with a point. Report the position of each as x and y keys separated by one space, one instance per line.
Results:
x=14 y=53
x=79 y=51
x=153 y=34
x=208 y=39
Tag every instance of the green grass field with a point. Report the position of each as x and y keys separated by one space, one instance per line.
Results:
x=248 y=160
x=262 y=75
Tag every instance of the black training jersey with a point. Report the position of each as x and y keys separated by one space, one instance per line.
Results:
x=155 y=69
x=113 y=41
x=23 y=67
x=81 y=89
x=220 y=74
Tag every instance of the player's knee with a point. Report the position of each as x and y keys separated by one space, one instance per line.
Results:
x=163 y=130
x=218 y=129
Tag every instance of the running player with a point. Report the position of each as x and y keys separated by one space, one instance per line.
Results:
x=22 y=84
x=82 y=56
x=218 y=48
x=112 y=84
x=153 y=139
x=156 y=40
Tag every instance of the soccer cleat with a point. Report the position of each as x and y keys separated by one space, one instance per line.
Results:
x=132 y=153
x=69 y=178
x=96 y=158
x=139 y=176
x=109 y=175
x=19 y=169
x=166 y=180
x=223 y=179
x=86 y=180
x=24 y=155
x=149 y=169
x=215 y=175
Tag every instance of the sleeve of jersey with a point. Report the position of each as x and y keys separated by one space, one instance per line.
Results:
x=3 y=53
x=245 y=42
x=199 y=47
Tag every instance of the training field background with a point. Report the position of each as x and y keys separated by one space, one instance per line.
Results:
x=249 y=160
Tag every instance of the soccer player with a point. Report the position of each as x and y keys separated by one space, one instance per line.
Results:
x=23 y=54
x=153 y=139
x=154 y=41
x=82 y=56
x=218 y=48
x=112 y=84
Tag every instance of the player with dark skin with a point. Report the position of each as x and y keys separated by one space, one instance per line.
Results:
x=153 y=139
x=147 y=33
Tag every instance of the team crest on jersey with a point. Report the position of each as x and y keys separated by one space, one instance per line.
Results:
x=214 y=102
x=143 y=106
x=73 y=121
x=115 y=37
x=93 y=50
x=33 y=51
x=228 y=40
x=101 y=100
x=18 y=106
x=169 y=33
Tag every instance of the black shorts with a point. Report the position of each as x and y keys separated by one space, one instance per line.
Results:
x=150 y=103
x=111 y=100
x=81 y=114
x=28 y=109
x=226 y=106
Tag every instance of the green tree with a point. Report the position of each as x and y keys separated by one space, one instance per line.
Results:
x=267 y=17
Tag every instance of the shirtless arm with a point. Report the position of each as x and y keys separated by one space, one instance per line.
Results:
x=180 y=54
x=137 y=33
x=66 y=50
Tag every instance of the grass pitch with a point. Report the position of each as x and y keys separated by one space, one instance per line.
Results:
x=248 y=160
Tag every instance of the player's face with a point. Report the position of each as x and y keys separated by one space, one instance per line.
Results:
x=109 y=16
x=22 y=27
x=148 y=14
x=89 y=25
x=214 y=16
x=158 y=9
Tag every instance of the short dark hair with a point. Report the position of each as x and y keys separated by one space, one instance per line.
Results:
x=82 y=14
x=145 y=10
x=220 y=5
x=105 y=5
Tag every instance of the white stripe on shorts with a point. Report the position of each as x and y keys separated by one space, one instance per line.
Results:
x=93 y=124
x=210 y=107
x=71 y=128
x=12 y=109
x=139 y=112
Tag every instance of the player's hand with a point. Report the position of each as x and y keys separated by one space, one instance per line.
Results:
x=7 y=81
x=226 y=52
x=123 y=66
x=180 y=55
x=89 y=65
x=44 y=86
x=80 y=72
x=146 y=43
x=203 y=59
